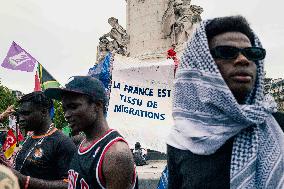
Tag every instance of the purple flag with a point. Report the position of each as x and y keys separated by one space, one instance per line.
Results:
x=18 y=59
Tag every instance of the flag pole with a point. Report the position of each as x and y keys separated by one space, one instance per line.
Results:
x=17 y=130
x=37 y=82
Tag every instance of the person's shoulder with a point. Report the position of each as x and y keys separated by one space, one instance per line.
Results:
x=118 y=166
x=7 y=178
x=63 y=140
x=60 y=135
x=119 y=155
x=119 y=148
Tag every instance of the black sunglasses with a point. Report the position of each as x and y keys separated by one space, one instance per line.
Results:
x=229 y=52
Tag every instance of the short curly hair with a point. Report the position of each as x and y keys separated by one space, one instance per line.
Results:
x=229 y=24
x=39 y=99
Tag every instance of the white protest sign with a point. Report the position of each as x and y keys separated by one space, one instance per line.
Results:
x=140 y=106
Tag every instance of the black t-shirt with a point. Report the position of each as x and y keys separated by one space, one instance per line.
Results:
x=49 y=160
x=188 y=170
x=191 y=171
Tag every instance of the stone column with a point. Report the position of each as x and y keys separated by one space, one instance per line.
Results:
x=144 y=25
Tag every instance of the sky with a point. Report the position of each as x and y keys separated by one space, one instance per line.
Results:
x=63 y=35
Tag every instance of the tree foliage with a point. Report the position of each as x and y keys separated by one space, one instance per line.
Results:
x=6 y=97
x=59 y=119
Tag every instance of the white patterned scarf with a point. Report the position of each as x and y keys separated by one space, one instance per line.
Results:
x=206 y=115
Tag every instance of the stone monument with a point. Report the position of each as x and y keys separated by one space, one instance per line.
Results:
x=153 y=26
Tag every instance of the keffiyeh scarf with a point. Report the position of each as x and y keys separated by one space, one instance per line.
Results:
x=206 y=115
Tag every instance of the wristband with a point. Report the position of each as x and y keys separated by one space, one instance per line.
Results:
x=27 y=182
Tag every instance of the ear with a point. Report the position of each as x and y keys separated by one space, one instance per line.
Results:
x=44 y=112
x=98 y=106
x=93 y=106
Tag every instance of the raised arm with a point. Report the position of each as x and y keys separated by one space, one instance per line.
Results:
x=7 y=112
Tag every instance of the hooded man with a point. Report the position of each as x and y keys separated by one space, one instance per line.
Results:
x=224 y=135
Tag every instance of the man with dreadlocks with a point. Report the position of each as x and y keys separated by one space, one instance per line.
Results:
x=224 y=134
x=43 y=161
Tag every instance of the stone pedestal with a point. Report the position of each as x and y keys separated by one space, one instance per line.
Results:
x=144 y=26
x=155 y=25
x=152 y=28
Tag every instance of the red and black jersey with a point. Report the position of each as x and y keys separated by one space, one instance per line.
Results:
x=86 y=166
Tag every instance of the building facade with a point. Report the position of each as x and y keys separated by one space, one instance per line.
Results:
x=275 y=87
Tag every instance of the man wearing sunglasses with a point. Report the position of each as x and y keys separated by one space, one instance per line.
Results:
x=224 y=133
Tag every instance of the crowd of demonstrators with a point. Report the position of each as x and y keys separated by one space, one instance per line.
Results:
x=224 y=133
x=3 y=133
x=43 y=161
x=104 y=159
x=3 y=159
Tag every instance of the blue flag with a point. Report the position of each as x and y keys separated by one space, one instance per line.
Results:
x=163 y=183
x=102 y=71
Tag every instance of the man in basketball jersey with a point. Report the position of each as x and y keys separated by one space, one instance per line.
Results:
x=104 y=159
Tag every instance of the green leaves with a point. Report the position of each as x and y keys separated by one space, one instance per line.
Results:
x=59 y=119
x=6 y=99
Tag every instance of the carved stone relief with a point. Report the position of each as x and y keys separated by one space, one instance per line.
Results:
x=196 y=10
x=178 y=20
x=114 y=41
